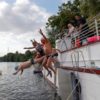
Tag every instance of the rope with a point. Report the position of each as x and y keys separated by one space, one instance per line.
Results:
x=68 y=98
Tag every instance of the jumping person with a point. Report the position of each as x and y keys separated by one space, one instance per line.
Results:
x=40 y=55
x=40 y=52
x=46 y=59
x=22 y=66
x=49 y=52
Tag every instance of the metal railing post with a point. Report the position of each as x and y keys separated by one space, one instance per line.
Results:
x=96 y=27
x=55 y=78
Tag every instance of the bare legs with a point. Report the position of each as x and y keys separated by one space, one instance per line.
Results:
x=28 y=63
x=23 y=66
x=49 y=64
x=46 y=62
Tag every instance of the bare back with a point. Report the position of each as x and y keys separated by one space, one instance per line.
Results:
x=47 y=48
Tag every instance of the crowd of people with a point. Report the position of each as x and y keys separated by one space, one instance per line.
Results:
x=45 y=55
x=78 y=30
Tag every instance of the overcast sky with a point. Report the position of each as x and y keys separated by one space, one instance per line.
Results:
x=20 y=21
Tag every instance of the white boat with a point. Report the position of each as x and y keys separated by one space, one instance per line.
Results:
x=78 y=77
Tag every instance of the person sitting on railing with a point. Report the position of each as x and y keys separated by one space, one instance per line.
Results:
x=71 y=29
x=82 y=27
x=71 y=33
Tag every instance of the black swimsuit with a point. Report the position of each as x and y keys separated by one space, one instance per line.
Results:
x=39 y=49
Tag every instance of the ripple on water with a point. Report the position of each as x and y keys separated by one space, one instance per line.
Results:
x=25 y=87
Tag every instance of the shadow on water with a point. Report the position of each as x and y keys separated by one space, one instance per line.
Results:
x=23 y=87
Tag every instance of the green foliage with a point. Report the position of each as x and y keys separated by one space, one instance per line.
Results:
x=90 y=7
x=66 y=13
x=59 y=22
x=51 y=37
x=17 y=57
x=28 y=54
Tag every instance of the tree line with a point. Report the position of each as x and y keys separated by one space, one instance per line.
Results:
x=17 y=57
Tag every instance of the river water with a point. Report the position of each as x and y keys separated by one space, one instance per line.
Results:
x=23 y=87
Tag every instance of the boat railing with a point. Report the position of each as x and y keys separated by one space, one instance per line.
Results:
x=89 y=33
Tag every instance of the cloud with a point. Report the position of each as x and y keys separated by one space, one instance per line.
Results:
x=22 y=16
x=19 y=22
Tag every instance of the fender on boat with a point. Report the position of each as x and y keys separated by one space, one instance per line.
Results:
x=76 y=87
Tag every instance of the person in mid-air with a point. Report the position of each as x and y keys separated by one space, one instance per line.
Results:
x=47 y=55
x=50 y=52
x=39 y=53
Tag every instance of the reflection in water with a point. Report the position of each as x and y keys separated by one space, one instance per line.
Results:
x=23 y=87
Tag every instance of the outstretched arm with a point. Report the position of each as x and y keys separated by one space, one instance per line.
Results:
x=29 y=47
x=42 y=34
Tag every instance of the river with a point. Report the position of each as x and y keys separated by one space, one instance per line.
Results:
x=23 y=87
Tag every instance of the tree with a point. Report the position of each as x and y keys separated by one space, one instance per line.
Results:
x=28 y=54
x=59 y=22
x=90 y=8
x=66 y=13
x=17 y=57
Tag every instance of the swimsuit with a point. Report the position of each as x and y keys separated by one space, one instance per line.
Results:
x=52 y=55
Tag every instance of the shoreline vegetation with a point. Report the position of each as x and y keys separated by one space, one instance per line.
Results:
x=17 y=57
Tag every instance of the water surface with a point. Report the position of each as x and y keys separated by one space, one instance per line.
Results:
x=23 y=87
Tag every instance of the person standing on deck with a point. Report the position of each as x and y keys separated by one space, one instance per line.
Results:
x=82 y=27
x=72 y=31
x=70 y=35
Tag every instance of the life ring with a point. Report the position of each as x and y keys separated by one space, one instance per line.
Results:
x=76 y=86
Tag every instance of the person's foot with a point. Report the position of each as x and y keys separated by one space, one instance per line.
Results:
x=15 y=73
x=49 y=73
x=16 y=68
